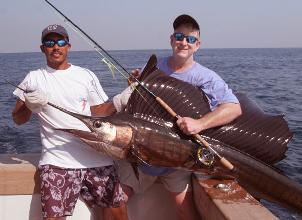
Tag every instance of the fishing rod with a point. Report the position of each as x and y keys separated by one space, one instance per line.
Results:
x=227 y=164
x=110 y=62
x=114 y=64
x=8 y=82
x=27 y=91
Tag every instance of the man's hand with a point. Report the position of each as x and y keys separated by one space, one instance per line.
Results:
x=189 y=125
x=36 y=100
x=120 y=100
x=222 y=115
x=135 y=74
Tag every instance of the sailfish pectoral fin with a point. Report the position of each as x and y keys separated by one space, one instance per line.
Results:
x=133 y=152
x=135 y=170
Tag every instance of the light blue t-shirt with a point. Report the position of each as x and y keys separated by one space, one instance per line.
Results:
x=214 y=87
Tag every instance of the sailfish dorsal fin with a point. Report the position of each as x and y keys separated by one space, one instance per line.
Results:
x=261 y=135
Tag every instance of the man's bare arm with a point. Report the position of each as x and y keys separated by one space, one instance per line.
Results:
x=21 y=114
x=104 y=109
x=223 y=114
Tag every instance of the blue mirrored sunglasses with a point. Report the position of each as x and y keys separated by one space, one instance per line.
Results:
x=51 y=43
x=181 y=36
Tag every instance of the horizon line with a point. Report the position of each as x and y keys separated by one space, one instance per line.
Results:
x=208 y=48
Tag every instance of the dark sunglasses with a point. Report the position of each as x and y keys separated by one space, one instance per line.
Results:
x=181 y=36
x=51 y=43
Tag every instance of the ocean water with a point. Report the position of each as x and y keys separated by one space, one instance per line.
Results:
x=271 y=77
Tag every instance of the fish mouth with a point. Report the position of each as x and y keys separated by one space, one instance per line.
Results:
x=91 y=138
x=94 y=140
x=83 y=118
x=83 y=135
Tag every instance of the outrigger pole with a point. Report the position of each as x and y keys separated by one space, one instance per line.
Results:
x=115 y=65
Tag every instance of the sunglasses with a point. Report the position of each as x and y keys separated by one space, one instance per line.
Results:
x=51 y=43
x=181 y=36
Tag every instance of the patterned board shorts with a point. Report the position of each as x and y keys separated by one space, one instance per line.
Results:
x=60 y=189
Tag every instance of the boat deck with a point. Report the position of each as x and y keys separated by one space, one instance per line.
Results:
x=214 y=199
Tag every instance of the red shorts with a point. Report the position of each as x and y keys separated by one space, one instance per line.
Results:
x=60 y=189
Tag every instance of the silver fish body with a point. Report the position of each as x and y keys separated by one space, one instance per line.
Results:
x=138 y=140
x=142 y=135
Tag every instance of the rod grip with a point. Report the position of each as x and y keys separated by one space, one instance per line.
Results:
x=166 y=107
x=203 y=141
x=226 y=163
x=223 y=161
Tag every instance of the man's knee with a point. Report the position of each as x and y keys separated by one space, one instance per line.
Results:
x=118 y=213
x=185 y=206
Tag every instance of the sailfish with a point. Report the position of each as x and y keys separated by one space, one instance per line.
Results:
x=146 y=133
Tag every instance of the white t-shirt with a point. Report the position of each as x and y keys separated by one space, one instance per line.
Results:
x=75 y=89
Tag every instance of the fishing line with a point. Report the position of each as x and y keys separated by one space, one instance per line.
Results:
x=8 y=82
x=93 y=82
x=106 y=57
x=113 y=63
x=109 y=59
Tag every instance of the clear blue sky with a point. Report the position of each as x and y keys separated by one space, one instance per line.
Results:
x=138 y=24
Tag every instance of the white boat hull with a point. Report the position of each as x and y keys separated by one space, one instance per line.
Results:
x=20 y=198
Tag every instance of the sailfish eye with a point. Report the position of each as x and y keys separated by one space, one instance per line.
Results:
x=97 y=124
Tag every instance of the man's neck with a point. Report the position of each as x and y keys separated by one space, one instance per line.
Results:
x=62 y=66
x=180 y=65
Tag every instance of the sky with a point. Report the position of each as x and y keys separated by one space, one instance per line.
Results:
x=138 y=24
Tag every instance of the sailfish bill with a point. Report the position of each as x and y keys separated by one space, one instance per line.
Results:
x=144 y=136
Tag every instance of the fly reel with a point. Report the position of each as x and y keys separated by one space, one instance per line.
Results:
x=205 y=156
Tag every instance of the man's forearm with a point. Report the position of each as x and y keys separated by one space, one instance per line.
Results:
x=104 y=109
x=21 y=114
x=222 y=115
